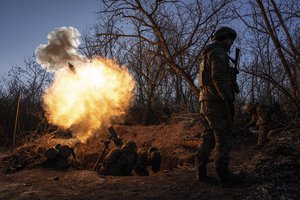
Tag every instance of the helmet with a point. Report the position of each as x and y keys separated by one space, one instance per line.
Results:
x=131 y=144
x=249 y=107
x=65 y=151
x=224 y=33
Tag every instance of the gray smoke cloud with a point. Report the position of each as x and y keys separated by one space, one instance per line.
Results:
x=61 y=49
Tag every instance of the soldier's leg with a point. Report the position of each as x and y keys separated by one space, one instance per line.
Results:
x=141 y=163
x=203 y=152
x=204 y=149
x=222 y=149
x=220 y=120
x=262 y=135
x=222 y=134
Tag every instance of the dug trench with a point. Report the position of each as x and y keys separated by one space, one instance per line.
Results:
x=177 y=143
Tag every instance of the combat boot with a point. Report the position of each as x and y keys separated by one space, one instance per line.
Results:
x=228 y=179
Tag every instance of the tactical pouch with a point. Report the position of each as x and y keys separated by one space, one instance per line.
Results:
x=204 y=74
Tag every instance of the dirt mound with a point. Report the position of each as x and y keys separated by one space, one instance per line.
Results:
x=272 y=172
x=276 y=167
x=32 y=154
x=176 y=142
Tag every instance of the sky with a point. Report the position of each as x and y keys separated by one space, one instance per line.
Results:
x=25 y=24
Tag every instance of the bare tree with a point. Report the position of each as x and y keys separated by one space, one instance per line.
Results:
x=160 y=42
x=29 y=80
x=177 y=27
x=274 y=21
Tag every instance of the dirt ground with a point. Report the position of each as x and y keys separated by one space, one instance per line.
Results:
x=176 y=179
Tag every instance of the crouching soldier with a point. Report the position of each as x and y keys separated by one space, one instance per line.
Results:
x=59 y=157
x=260 y=119
x=251 y=109
x=120 y=160
x=150 y=157
x=265 y=118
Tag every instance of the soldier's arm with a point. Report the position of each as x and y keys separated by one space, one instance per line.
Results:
x=220 y=73
x=253 y=121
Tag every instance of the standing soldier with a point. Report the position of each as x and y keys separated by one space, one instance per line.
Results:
x=217 y=91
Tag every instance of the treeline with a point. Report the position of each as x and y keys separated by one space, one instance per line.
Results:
x=160 y=42
x=24 y=84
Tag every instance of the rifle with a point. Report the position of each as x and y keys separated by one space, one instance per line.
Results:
x=112 y=136
x=235 y=70
x=236 y=59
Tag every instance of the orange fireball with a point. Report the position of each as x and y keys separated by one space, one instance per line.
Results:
x=88 y=99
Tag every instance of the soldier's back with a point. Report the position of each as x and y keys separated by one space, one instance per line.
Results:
x=111 y=165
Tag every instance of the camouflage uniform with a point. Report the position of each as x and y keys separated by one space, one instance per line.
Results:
x=217 y=90
x=263 y=124
x=142 y=163
x=58 y=157
x=145 y=158
x=120 y=160
x=251 y=109
x=265 y=119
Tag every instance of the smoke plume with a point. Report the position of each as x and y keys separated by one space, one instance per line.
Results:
x=86 y=96
x=61 y=49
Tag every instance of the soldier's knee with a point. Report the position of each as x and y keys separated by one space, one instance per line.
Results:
x=223 y=145
x=202 y=153
x=221 y=158
x=199 y=152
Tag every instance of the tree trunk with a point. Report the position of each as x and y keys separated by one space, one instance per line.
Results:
x=276 y=42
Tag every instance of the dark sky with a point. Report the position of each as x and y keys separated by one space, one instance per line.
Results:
x=24 y=24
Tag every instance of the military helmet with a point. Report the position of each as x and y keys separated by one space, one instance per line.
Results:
x=65 y=151
x=249 y=107
x=224 y=33
x=51 y=153
x=131 y=144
